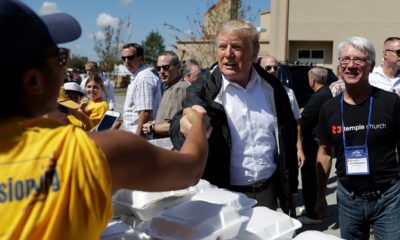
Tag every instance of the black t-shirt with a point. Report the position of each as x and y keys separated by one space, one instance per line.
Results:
x=382 y=139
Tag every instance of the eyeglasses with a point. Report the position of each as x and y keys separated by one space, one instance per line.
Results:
x=131 y=57
x=269 y=67
x=164 y=67
x=356 y=60
x=394 y=51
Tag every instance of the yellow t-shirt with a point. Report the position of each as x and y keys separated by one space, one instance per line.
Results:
x=54 y=182
x=80 y=119
x=96 y=110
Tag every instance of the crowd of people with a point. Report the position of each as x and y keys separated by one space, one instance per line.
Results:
x=235 y=125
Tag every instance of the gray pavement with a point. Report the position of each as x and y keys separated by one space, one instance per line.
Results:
x=331 y=226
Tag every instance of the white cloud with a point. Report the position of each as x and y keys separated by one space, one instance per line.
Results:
x=105 y=19
x=49 y=8
x=78 y=46
x=126 y=2
x=98 y=35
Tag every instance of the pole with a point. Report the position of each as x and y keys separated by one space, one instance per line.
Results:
x=286 y=55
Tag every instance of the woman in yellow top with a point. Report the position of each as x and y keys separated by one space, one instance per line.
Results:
x=95 y=107
x=56 y=180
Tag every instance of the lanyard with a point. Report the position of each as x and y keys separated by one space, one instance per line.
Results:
x=369 y=120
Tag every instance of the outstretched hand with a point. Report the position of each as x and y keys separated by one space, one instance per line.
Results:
x=192 y=114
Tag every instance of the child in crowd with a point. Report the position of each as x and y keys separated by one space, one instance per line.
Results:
x=68 y=108
x=95 y=106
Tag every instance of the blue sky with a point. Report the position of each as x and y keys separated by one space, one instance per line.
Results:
x=145 y=15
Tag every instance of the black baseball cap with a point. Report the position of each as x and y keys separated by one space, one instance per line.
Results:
x=25 y=35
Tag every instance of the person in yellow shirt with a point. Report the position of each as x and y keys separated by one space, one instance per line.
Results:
x=95 y=107
x=56 y=180
x=68 y=110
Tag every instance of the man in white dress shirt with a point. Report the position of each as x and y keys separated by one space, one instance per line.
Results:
x=387 y=75
x=253 y=145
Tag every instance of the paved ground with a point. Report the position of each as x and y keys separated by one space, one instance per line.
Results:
x=330 y=227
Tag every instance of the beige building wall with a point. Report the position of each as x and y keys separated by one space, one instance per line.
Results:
x=327 y=21
x=264 y=29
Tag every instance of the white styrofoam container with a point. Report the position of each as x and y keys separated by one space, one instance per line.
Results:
x=117 y=230
x=238 y=201
x=198 y=220
x=144 y=205
x=162 y=142
x=315 y=235
x=265 y=224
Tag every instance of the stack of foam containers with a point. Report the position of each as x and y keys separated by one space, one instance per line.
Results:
x=203 y=212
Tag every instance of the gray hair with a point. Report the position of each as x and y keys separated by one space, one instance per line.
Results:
x=187 y=67
x=245 y=30
x=320 y=74
x=358 y=43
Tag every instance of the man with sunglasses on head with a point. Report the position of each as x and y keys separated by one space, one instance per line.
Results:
x=143 y=95
x=56 y=180
x=170 y=72
x=387 y=75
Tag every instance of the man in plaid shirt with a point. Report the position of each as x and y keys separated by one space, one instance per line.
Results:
x=144 y=91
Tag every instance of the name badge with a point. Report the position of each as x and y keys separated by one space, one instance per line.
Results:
x=356 y=158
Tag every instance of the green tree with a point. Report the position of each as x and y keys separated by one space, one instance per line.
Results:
x=153 y=45
x=108 y=47
x=76 y=61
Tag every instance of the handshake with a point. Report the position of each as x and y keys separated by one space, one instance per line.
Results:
x=195 y=116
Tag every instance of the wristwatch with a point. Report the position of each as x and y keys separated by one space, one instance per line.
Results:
x=152 y=127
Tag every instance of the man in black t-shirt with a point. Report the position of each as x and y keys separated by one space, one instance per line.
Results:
x=362 y=126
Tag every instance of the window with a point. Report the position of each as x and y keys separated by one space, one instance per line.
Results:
x=311 y=55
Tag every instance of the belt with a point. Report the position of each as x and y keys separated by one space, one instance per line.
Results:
x=253 y=188
x=369 y=195
x=373 y=194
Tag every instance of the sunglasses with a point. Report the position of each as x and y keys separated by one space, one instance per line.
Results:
x=63 y=56
x=131 y=57
x=269 y=67
x=63 y=109
x=164 y=67
x=394 y=51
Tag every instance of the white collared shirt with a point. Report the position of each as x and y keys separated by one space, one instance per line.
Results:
x=251 y=123
x=378 y=79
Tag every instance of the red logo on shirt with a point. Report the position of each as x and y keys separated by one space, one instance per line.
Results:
x=336 y=129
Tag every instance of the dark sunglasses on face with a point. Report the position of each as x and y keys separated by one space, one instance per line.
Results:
x=394 y=51
x=131 y=57
x=63 y=55
x=269 y=67
x=164 y=67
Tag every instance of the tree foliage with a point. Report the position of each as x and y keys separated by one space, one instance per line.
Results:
x=153 y=45
x=108 y=47
x=199 y=42
x=76 y=61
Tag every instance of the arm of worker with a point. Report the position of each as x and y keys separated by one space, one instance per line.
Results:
x=301 y=158
x=161 y=129
x=323 y=168
x=144 y=117
x=136 y=164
